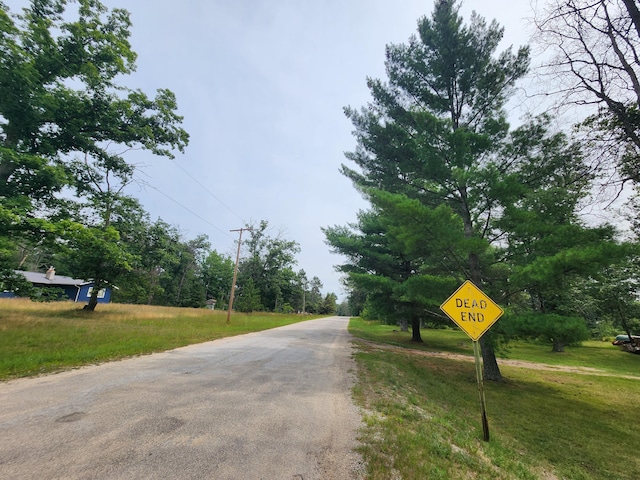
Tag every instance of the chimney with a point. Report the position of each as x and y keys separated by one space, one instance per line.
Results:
x=50 y=273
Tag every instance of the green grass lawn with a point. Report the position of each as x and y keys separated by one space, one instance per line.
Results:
x=422 y=414
x=38 y=338
x=591 y=354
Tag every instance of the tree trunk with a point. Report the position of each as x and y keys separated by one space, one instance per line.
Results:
x=153 y=281
x=634 y=13
x=415 y=330
x=625 y=326
x=404 y=325
x=558 y=346
x=93 y=300
x=490 y=368
x=182 y=278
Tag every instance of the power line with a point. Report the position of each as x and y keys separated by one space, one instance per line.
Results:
x=60 y=63
x=208 y=191
x=189 y=210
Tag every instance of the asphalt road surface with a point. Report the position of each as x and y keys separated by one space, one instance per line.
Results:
x=273 y=405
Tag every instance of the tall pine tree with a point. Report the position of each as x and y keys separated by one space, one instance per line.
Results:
x=433 y=131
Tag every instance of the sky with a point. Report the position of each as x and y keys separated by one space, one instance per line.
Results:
x=262 y=85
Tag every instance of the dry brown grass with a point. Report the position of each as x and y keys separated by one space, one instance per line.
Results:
x=20 y=309
x=43 y=337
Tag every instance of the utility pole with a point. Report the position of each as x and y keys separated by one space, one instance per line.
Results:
x=304 y=297
x=235 y=272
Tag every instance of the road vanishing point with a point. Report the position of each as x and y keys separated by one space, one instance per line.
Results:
x=273 y=405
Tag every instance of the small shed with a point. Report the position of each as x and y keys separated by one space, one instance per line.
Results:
x=73 y=288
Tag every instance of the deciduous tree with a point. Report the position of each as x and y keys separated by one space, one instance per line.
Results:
x=269 y=264
x=217 y=275
x=65 y=120
x=595 y=64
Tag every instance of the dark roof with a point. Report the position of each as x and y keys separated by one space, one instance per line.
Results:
x=40 y=279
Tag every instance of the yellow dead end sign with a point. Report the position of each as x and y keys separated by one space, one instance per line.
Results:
x=472 y=310
x=474 y=313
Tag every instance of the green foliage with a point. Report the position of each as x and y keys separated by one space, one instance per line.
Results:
x=343 y=309
x=314 y=301
x=329 y=304
x=269 y=266
x=43 y=52
x=92 y=251
x=217 y=275
x=249 y=298
x=47 y=294
x=63 y=116
x=15 y=283
x=556 y=329
x=287 y=309
x=604 y=330
x=428 y=159
x=455 y=194
x=153 y=246
x=614 y=299
x=379 y=267
x=166 y=268
x=181 y=283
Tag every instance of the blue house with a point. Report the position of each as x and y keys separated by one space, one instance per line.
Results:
x=74 y=289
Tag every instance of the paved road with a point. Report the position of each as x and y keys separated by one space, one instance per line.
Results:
x=273 y=405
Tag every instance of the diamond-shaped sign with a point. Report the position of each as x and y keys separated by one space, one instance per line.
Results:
x=472 y=310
